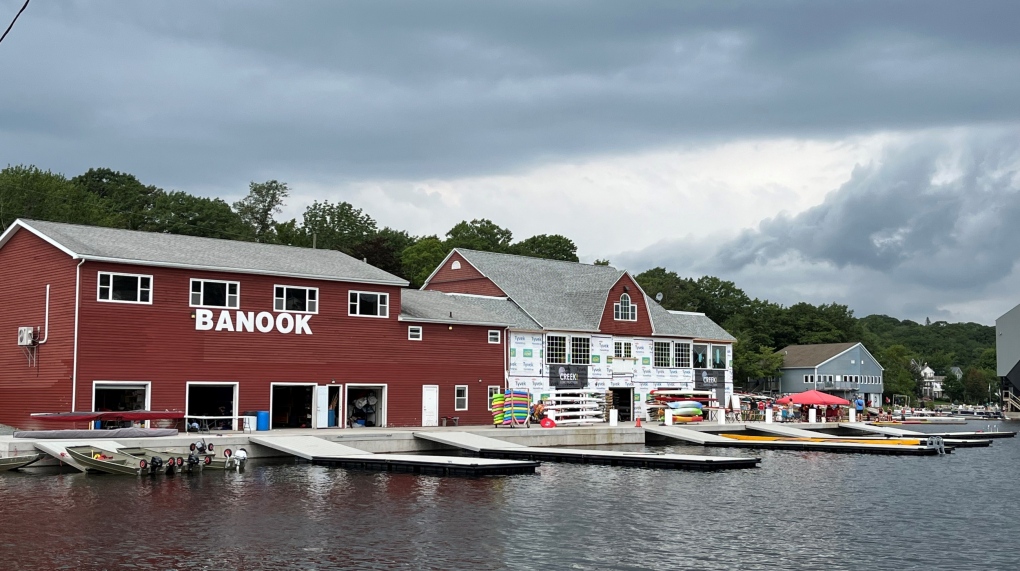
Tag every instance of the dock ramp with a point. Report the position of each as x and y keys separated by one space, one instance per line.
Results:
x=307 y=447
x=686 y=434
x=325 y=452
x=58 y=449
x=492 y=448
x=883 y=430
x=466 y=441
x=792 y=432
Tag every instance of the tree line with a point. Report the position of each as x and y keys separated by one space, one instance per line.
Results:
x=104 y=197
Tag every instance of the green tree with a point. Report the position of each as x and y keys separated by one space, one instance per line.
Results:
x=422 y=258
x=755 y=363
x=338 y=226
x=601 y=262
x=385 y=249
x=899 y=377
x=256 y=210
x=129 y=203
x=677 y=293
x=178 y=212
x=479 y=234
x=549 y=246
x=28 y=192
x=953 y=388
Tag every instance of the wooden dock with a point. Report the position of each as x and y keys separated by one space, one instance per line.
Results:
x=324 y=452
x=492 y=448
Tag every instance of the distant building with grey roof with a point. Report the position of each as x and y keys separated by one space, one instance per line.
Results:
x=843 y=369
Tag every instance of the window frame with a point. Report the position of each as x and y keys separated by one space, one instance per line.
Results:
x=499 y=337
x=623 y=349
x=677 y=362
x=573 y=356
x=456 y=398
x=285 y=310
x=191 y=292
x=711 y=357
x=656 y=345
x=379 y=303
x=549 y=353
x=619 y=306
x=138 y=287
x=411 y=337
x=490 y=393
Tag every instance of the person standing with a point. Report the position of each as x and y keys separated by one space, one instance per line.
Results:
x=859 y=406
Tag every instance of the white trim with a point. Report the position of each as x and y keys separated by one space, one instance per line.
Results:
x=191 y=284
x=467 y=400
x=379 y=303
x=488 y=397
x=312 y=422
x=477 y=295
x=849 y=348
x=421 y=333
x=147 y=385
x=499 y=337
x=77 y=305
x=19 y=223
x=381 y=417
x=285 y=310
x=237 y=396
x=99 y=287
x=406 y=319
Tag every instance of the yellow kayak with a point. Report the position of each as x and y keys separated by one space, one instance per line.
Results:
x=896 y=441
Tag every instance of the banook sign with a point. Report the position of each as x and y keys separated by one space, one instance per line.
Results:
x=568 y=376
x=249 y=321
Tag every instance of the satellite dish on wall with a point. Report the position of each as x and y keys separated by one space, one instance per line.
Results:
x=658 y=296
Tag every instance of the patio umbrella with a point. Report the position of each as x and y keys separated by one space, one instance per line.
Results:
x=812 y=397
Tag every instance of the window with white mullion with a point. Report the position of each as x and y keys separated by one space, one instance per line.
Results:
x=624 y=310
x=556 y=349
x=124 y=288
x=681 y=355
x=580 y=350
x=215 y=293
x=296 y=299
x=368 y=304
x=662 y=354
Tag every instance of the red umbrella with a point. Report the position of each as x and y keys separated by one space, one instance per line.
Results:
x=812 y=397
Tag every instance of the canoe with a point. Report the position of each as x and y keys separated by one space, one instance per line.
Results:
x=14 y=462
x=99 y=460
x=688 y=418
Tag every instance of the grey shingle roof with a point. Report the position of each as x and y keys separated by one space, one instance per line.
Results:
x=685 y=324
x=438 y=306
x=557 y=294
x=175 y=250
x=806 y=356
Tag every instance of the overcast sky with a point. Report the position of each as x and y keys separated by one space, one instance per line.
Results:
x=865 y=153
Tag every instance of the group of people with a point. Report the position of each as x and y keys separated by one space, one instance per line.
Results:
x=831 y=413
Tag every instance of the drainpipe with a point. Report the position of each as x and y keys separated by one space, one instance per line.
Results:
x=77 y=304
x=46 y=335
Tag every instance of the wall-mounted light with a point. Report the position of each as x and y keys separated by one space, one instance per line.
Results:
x=192 y=314
x=450 y=328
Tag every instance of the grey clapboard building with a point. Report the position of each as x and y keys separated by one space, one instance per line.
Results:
x=1007 y=357
x=843 y=369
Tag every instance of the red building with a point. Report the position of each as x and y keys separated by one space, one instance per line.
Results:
x=107 y=319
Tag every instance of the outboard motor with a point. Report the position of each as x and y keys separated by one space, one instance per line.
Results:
x=194 y=463
x=241 y=458
x=155 y=465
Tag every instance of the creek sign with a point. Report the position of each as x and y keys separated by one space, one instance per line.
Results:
x=568 y=376
x=249 y=321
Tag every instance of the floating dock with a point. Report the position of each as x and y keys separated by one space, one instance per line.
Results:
x=324 y=452
x=492 y=448
x=707 y=439
x=900 y=432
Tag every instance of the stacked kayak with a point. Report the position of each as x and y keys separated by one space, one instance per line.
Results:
x=516 y=407
x=497 y=409
x=686 y=410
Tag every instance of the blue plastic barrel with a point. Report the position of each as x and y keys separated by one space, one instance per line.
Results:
x=262 y=422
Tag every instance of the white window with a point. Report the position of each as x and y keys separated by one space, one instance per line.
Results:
x=455 y=265
x=556 y=349
x=414 y=332
x=296 y=299
x=493 y=390
x=125 y=288
x=622 y=349
x=215 y=293
x=624 y=310
x=662 y=354
x=580 y=350
x=682 y=355
x=460 y=401
x=494 y=336
x=368 y=304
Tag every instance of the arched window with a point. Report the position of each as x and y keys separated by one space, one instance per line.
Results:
x=624 y=310
x=455 y=265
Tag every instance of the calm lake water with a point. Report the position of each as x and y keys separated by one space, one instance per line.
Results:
x=799 y=510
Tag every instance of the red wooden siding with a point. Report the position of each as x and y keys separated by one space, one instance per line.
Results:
x=159 y=343
x=643 y=325
x=27 y=264
x=467 y=279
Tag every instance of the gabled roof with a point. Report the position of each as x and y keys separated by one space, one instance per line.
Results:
x=210 y=254
x=685 y=324
x=438 y=307
x=556 y=294
x=571 y=296
x=809 y=356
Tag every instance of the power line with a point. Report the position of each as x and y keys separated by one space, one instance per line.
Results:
x=14 y=20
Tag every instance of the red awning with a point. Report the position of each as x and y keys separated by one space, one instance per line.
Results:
x=812 y=397
x=119 y=415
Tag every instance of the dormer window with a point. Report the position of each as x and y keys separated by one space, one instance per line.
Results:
x=624 y=310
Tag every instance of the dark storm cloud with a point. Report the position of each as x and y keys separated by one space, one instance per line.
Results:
x=205 y=93
x=927 y=230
